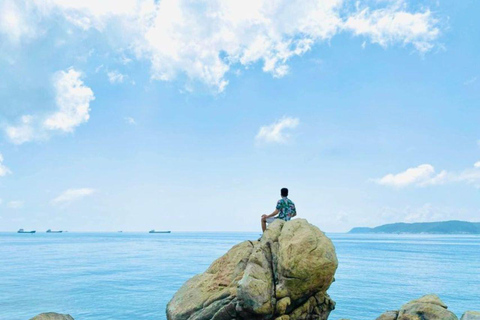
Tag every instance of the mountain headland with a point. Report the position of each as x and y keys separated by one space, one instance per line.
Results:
x=441 y=227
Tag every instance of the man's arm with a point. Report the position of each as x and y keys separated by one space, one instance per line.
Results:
x=273 y=214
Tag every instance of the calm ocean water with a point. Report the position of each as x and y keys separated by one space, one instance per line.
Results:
x=116 y=276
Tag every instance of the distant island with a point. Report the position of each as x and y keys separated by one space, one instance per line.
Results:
x=442 y=227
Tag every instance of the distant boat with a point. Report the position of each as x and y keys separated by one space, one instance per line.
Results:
x=23 y=231
x=154 y=231
x=120 y=231
x=54 y=231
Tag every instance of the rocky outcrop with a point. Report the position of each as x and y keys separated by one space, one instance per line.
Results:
x=52 y=316
x=471 y=315
x=428 y=307
x=389 y=315
x=283 y=276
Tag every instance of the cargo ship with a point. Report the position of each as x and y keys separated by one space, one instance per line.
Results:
x=23 y=231
x=154 y=231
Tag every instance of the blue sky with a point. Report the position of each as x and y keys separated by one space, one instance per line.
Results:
x=191 y=116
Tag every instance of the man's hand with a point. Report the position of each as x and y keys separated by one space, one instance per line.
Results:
x=264 y=217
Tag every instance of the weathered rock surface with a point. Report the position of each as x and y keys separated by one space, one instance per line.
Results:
x=52 y=316
x=428 y=307
x=471 y=315
x=284 y=276
x=389 y=315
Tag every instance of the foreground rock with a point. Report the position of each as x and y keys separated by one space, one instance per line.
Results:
x=428 y=307
x=284 y=276
x=471 y=315
x=52 y=316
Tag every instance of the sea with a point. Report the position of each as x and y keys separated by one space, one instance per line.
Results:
x=120 y=276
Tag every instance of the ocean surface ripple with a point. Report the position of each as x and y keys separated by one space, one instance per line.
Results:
x=117 y=276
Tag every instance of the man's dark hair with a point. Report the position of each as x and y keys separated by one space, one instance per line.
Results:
x=284 y=192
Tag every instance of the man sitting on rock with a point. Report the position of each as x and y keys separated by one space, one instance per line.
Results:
x=285 y=210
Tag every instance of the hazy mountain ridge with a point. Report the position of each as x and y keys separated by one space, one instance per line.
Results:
x=441 y=227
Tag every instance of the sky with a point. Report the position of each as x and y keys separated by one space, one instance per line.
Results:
x=191 y=115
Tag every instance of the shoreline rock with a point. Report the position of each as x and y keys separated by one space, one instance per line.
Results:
x=284 y=276
x=471 y=315
x=428 y=307
x=52 y=316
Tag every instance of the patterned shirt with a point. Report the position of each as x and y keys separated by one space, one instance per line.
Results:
x=286 y=209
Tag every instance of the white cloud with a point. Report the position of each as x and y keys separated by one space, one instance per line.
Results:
x=422 y=175
x=71 y=195
x=130 y=120
x=3 y=169
x=425 y=213
x=470 y=176
x=275 y=133
x=16 y=21
x=15 y=204
x=73 y=102
x=92 y=13
x=22 y=132
x=115 y=77
x=206 y=39
x=394 y=24
x=100 y=67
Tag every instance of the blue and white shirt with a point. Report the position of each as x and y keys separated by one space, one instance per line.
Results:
x=286 y=209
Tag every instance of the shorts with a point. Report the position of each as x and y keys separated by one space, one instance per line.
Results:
x=270 y=220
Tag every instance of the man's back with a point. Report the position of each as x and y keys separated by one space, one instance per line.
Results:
x=286 y=209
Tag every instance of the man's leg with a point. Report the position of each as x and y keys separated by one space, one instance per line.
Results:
x=264 y=224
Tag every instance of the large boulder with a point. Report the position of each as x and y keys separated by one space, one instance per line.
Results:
x=283 y=276
x=428 y=307
x=52 y=316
